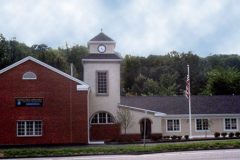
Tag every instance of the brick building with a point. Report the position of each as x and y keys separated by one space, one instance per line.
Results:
x=41 y=105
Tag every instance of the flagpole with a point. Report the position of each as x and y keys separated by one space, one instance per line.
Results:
x=189 y=105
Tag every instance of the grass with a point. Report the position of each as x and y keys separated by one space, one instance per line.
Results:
x=116 y=149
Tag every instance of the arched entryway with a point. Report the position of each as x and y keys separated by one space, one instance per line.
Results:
x=148 y=127
x=103 y=127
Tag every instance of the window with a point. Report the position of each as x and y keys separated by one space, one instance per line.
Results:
x=102 y=118
x=29 y=76
x=29 y=128
x=230 y=124
x=202 y=124
x=102 y=82
x=173 y=125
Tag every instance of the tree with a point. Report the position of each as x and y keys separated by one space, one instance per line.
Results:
x=138 y=84
x=4 y=56
x=74 y=55
x=40 y=47
x=223 y=81
x=125 y=118
x=150 y=87
x=167 y=83
x=54 y=58
x=130 y=70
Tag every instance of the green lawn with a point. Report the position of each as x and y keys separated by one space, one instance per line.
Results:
x=117 y=149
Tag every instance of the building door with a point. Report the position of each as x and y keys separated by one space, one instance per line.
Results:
x=148 y=128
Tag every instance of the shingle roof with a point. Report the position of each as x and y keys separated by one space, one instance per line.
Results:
x=101 y=37
x=102 y=56
x=179 y=104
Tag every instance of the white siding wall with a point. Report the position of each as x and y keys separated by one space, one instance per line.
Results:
x=137 y=116
x=216 y=125
x=93 y=48
x=103 y=103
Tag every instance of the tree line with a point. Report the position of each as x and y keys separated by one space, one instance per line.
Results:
x=166 y=74
x=163 y=75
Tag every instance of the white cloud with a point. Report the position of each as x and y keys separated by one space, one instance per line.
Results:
x=49 y=21
x=161 y=28
x=139 y=27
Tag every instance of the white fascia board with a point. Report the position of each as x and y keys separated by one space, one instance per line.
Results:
x=14 y=64
x=82 y=88
x=96 y=142
x=160 y=114
x=201 y=115
x=101 y=60
x=143 y=110
x=44 y=65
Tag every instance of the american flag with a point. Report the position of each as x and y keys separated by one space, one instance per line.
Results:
x=187 y=92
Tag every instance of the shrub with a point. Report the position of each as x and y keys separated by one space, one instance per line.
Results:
x=179 y=137
x=231 y=135
x=186 y=137
x=174 y=137
x=166 y=137
x=223 y=134
x=126 y=139
x=157 y=137
x=216 y=134
x=237 y=134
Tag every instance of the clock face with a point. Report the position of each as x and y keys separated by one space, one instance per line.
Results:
x=101 y=48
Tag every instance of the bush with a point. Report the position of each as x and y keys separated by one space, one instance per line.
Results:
x=166 y=137
x=179 y=137
x=156 y=137
x=216 y=134
x=186 y=137
x=126 y=139
x=237 y=134
x=223 y=134
x=174 y=137
x=231 y=135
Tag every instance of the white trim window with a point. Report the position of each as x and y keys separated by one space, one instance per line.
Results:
x=29 y=76
x=202 y=125
x=102 y=83
x=102 y=118
x=230 y=124
x=173 y=125
x=29 y=128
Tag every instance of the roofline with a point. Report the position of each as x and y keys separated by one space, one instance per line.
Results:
x=99 y=42
x=200 y=115
x=144 y=110
x=101 y=60
x=85 y=85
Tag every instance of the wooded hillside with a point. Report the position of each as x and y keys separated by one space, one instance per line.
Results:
x=152 y=75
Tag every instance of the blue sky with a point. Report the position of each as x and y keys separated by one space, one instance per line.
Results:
x=140 y=27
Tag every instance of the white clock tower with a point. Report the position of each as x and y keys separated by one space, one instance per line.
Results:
x=102 y=74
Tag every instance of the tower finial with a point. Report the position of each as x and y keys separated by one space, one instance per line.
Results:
x=101 y=30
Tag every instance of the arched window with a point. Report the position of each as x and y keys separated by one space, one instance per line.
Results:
x=102 y=118
x=29 y=76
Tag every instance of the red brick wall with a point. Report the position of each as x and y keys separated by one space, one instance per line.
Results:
x=106 y=132
x=62 y=122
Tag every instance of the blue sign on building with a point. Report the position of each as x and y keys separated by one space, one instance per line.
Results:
x=29 y=102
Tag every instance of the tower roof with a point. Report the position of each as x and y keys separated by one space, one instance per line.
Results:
x=101 y=37
x=109 y=56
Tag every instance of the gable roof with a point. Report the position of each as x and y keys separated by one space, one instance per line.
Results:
x=173 y=105
x=101 y=37
x=84 y=86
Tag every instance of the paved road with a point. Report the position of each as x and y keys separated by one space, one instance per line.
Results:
x=233 y=154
